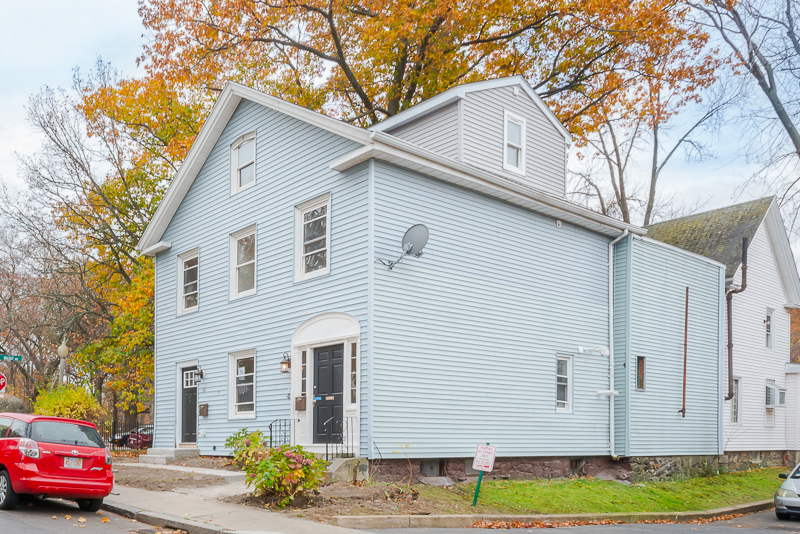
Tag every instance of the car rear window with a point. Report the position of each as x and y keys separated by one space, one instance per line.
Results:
x=66 y=433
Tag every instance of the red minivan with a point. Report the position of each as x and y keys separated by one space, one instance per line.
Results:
x=53 y=457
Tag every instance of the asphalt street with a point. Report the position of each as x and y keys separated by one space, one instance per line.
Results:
x=35 y=516
x=763 y=522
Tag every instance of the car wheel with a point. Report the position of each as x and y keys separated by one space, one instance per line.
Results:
x=783 y=517
x=8 y=499
x=90 y=505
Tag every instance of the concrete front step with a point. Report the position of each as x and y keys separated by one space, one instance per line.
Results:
x=167 y=454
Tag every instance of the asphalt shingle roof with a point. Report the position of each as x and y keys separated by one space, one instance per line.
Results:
x=715 y=234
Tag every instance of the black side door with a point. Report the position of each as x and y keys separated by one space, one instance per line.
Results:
x=189 y=405
x=328 y=398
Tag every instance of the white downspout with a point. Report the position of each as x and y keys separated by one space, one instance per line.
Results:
x=612 y=393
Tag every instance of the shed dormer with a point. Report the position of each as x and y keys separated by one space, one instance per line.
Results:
x=500 y=125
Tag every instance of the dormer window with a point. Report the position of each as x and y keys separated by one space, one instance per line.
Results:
x=243 y=162
x=514 y=136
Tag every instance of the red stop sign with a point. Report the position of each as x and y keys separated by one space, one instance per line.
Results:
x=2 y=382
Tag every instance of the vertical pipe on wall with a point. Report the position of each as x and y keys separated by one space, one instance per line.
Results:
x=729 y=303
x=611 y=430
x=685 y=346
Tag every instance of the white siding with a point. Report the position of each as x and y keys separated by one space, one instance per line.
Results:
x=466 y=337
x=753 y=362
x=483 y=123
x=659 y=278
x=436 y=131
x=292 y=167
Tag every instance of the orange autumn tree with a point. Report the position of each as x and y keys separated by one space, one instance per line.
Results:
x=365 y=61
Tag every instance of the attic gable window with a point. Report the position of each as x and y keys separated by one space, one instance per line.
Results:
x=243 y=162
x=514 y=143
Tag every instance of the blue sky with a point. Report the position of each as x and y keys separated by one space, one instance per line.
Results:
x=42 y=42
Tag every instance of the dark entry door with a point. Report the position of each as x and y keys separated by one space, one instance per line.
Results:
x=328 y=385
x=189 y=405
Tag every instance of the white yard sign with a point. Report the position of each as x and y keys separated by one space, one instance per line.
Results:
x=484 y=458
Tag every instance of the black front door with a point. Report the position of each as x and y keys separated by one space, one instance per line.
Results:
x=189 y=405
x=328 y=384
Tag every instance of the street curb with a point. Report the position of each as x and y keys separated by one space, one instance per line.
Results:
x=161 y=520
x=467 y=520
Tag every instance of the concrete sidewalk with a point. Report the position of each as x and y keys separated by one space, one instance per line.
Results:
x=229 y=476
x=198 y=515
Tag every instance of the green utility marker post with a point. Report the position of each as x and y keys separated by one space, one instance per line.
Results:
x=484 y=461
x=10 y=357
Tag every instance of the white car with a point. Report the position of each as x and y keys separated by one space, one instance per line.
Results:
x=787 y=498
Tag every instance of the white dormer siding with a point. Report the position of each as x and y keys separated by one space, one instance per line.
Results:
x=471 y=129
x=754 y=363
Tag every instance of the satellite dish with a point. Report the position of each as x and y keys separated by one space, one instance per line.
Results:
x=415 y=239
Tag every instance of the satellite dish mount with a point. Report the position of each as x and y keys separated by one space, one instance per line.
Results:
x=413 y=242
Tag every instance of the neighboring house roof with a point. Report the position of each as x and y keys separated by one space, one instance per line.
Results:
x=717 y=234
x=376 y=145
x=458 y=92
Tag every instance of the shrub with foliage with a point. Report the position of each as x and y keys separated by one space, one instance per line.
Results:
x=286 y=471
x=69 y=401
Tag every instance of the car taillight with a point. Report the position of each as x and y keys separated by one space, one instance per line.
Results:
x=108 y=457
x=29 y=448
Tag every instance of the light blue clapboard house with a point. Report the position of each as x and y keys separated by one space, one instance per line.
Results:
x=529 y=322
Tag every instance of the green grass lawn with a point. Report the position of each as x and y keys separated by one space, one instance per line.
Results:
x=588 y=495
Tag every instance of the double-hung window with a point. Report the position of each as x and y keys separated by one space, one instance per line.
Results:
x=312 y=238
x=563 y=383
x=514 y=143
x=243 y=162
x=188 y=270
x=243 y=262
x=242 y=384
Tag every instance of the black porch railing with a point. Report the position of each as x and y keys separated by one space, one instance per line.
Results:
x=280 y=432
x=345 y=442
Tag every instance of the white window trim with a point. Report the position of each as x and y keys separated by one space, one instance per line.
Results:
x=770 y=384
x=737 y=399
x=232 y=358
x=781 y=391
x=299 y=211
x=353 y=407
x=183 y=258
x=508 y=116
x=235 y=163
x=570 y=380
x=234 y=280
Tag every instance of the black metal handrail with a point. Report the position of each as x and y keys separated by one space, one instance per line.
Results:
x=280 y=433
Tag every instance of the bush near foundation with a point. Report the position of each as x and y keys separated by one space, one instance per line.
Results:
x=286 y=471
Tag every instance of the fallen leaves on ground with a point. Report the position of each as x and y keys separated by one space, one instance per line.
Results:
x=503 y=525
x=67 y=516
x=104 y=520
x=541 y=524
x=81 y=520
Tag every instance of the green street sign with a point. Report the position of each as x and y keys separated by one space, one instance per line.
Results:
x=10 y=357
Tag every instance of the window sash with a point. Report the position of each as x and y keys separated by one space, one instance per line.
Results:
x=313 y=238
x=563 y=384
x=244 y=387
x=243 y=163
x=353 y=373
x=190 y=288
x=735 y=402
x=245 y=267
x=512 y=147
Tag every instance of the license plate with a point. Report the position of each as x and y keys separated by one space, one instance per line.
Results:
x=73 y=463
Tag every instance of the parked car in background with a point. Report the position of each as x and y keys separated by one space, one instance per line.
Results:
x=120 y=439
x=787 y=498
x=53 y=457
x=141 y=438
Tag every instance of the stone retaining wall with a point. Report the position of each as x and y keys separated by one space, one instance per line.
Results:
x=636 y=469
